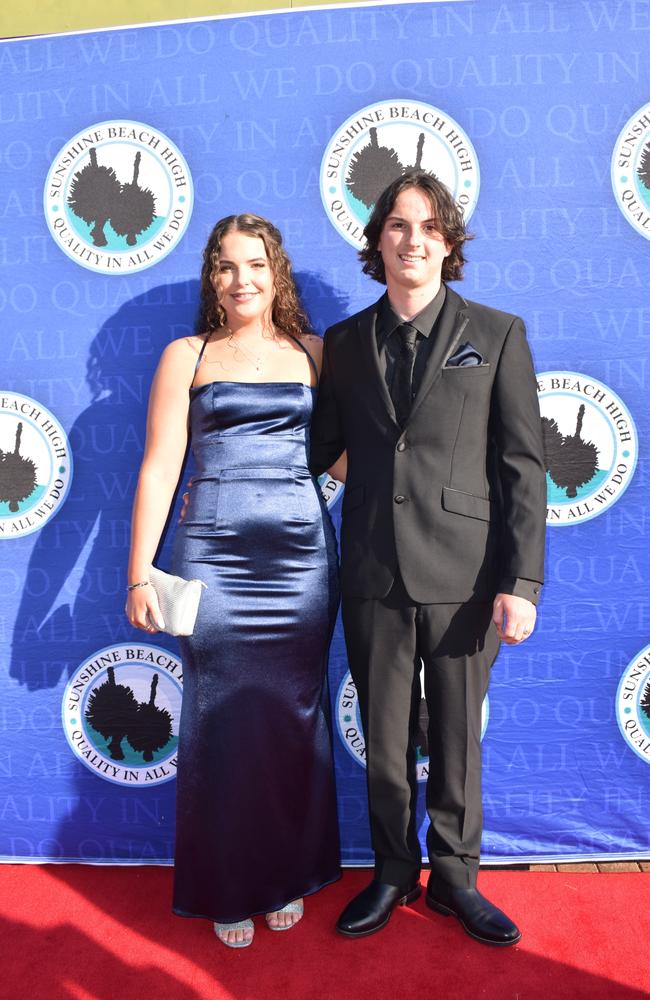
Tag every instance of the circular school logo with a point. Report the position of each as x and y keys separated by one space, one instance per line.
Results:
x=121 y=710
x=35 y=465
x=631 y=171
x=377 y=144
x=590 y=446
x=118 y=197
x=633 y=704
x=348 y=720
x=331 y=489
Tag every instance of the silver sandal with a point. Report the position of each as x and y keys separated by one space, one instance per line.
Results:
x=244 y=925
x=297 y=906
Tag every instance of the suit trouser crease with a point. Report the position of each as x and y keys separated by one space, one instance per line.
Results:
x=387 y=639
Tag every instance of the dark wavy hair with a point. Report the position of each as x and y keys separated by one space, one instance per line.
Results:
x=287 y=312
x=448 y=216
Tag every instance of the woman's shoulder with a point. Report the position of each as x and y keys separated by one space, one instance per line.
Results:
x=314 y=344
x=181 y=355
x=184 y=348
x=194 y=342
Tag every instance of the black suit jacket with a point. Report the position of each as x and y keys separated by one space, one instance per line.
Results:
x=457 y=499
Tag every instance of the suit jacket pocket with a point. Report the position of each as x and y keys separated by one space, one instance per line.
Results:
x=466 y=503
x=353 y=498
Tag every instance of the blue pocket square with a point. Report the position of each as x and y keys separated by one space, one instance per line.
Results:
x=465 y=356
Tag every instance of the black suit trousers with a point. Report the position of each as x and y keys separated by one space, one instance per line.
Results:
x=388 y=641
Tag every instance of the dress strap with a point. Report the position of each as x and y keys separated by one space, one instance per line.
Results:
x=309 y=357
x=198 y=360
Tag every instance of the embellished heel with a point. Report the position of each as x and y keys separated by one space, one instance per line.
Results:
x=221 y=930
x=297 y=907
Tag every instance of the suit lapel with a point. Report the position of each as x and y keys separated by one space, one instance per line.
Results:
x=451 y=325
x=366 y=329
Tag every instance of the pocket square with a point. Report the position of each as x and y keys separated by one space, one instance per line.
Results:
x=465 y=356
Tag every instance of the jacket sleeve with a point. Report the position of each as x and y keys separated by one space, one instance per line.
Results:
x=517 y=432
x=529 y=589
x=326 y=441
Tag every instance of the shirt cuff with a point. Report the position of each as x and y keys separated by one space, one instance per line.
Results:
x=531 y=590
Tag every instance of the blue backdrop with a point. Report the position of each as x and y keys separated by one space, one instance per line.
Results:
x=537 y=114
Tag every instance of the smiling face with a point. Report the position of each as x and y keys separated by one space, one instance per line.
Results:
x=243 y=279
x=411 y=247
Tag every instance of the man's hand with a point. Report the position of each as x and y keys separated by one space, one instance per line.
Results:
x=514 y=618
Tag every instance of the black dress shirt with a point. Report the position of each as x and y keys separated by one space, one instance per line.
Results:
x=389 y=343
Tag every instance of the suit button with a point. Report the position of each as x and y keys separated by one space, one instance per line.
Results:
x=399 y=498
x=401 y=446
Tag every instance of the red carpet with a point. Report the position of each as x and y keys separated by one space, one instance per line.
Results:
x=83 y=933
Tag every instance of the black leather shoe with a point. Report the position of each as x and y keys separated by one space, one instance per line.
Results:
x=479 y=917
x=371 y=909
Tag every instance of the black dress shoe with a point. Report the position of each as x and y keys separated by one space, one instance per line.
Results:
x=371 y=909
x=480 y=918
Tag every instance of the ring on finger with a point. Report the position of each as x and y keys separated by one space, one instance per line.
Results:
x=526 y=631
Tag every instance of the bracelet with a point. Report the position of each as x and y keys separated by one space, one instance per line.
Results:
x=134 y=586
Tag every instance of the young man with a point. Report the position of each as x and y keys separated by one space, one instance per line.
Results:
x=434 y=398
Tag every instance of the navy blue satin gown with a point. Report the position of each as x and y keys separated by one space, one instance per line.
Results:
x=256 y=822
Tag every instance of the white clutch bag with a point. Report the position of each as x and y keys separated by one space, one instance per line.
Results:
x=178 y=599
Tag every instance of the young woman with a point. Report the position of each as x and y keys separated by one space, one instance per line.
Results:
x=256 y=815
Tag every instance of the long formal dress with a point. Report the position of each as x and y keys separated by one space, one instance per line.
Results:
x=256 y=810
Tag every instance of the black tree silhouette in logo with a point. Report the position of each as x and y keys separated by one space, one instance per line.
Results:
x=94 y=193
x=152 y=726
x=17 y=474
x=553 y=442
x=371 y=170
x=418 y=159
x=111 y=710
x=645 y=700
x=573 y=462
x=374 y=167
x=135 y=209
x=643 y=170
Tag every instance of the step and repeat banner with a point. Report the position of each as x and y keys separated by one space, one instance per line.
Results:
x=119 y=150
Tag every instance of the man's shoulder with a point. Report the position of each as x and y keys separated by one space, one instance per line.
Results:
x=487 y=314
x=351 y=323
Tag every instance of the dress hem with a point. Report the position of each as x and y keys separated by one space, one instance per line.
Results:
x=256 y=913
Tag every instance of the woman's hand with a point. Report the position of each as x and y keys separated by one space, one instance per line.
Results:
x=142 y=609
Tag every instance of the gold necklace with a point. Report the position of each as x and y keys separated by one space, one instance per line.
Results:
x=255 y=359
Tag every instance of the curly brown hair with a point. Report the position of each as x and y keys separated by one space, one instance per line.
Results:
x=287 y=313
x=449 y=223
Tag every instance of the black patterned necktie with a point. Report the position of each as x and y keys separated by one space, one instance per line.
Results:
x=401 y=388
